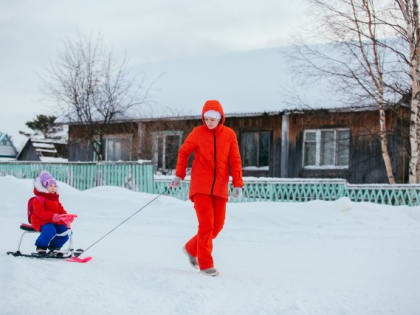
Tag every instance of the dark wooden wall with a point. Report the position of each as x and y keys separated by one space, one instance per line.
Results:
x=238 y=124
x=366 y=162
x=80 y=149
x=272 y=124
x=28 y=153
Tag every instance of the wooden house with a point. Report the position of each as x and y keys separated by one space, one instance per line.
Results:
x=325 y=143
x=7 y=149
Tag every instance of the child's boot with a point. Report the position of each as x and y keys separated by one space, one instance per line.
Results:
x=56 y=252
x=41 y=250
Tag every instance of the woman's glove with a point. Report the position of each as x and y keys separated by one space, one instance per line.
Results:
x=176 y=182
x=237 y=192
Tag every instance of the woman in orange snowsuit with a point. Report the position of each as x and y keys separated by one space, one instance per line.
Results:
x=216 y=152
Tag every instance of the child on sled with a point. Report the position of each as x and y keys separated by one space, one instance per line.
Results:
x=48 y=215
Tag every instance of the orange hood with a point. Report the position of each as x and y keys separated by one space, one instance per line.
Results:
x=213 y=105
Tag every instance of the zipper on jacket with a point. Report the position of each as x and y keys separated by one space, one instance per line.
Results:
x=214 y=178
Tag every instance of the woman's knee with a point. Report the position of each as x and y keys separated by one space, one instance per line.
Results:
x=216 y=230
x=205 y=229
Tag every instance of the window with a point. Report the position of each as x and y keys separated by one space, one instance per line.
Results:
x=117 y=148
x=165 y=149
x=255 y=147
x=326 y=148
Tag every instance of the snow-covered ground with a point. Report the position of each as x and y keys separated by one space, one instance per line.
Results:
x=310 y=258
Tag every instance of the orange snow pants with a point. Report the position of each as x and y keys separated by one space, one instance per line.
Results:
x=210 y=212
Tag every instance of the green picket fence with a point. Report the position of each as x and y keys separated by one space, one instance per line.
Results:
x=139 y=177
x=132 y=175
x=301 y=190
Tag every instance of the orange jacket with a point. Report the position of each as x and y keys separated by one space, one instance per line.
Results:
x=44 y=210
x=215 y=152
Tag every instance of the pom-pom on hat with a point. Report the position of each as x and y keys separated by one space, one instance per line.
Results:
x=212 y=114
x=46 y=179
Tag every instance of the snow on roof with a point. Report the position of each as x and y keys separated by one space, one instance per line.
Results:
x=249 y=114
x=52 y=159
x=43 y=145
x=249 y=83
x=19 y=141
x=258 y=81
x=7 y=159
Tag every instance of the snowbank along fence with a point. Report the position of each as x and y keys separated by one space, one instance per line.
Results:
x=139 y=177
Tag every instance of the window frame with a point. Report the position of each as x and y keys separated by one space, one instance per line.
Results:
x=155 y=154
x=318 y=149
x=118 y=136
x=242 y=150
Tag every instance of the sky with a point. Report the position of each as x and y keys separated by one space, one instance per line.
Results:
x=147 y=32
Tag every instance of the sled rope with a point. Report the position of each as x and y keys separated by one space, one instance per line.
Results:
x=116 y=227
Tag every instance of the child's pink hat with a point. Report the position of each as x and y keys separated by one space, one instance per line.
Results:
x=46 y=179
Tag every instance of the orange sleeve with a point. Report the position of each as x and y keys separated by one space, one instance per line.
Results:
x=235 y=162
x=183 y=154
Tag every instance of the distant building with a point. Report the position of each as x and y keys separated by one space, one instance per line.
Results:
x=44 y=150
x=326 y=143
x=7 y=149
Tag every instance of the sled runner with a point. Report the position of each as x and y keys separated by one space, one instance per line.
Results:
x=69 y=254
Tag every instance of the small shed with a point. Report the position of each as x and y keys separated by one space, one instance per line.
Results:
x=45 y=150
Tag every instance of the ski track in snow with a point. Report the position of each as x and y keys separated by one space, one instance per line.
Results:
x=326 y=258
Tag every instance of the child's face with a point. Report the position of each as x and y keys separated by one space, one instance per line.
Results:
x=211 y=122
x=52 y=189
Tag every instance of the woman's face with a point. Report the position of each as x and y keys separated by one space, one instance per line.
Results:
x=52 y=189
x=211 y=122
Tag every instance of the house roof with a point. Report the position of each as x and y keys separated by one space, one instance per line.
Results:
x=248 y=83
x=7 y=148
x=245 y=114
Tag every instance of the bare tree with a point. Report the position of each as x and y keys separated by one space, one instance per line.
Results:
x=374 y=60
x=355 y=62
x=93 y=89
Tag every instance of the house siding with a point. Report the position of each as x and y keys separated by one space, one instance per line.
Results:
x=365 y=160
x=365 y=164
x=28 y=153
x=273 y=124
x=80 y=149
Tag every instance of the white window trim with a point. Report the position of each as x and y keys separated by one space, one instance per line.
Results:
x=163 y=134
x=317 y=165
x=119 y=136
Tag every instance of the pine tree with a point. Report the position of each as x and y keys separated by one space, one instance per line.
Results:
x=42 y=123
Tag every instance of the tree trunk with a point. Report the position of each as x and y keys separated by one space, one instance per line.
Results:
x=414 y=130
x=411 y=17
x=384 y=145
x=416 y=81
